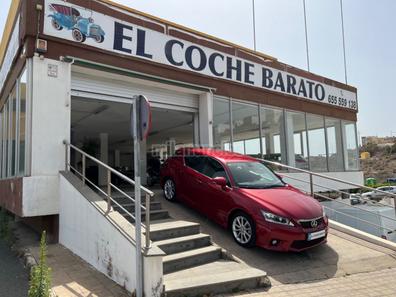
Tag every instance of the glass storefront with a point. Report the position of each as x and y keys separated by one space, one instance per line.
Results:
x=221 y=124
x=317 y=143
x=12 y=131
x=272 y=127
x=351 y=150
x=334 y=145
x=298 y=139
x=245 y=128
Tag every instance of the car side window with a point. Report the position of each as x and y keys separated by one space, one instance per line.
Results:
x=195 y=162
x=206 y=166
x=213 y=169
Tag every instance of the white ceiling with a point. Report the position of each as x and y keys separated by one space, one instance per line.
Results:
x=91 y=117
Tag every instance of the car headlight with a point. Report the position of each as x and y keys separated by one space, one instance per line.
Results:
x=273 y=218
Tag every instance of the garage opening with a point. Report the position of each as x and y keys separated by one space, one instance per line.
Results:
x=102 y=129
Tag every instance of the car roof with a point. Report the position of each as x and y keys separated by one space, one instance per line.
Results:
x=224 y=156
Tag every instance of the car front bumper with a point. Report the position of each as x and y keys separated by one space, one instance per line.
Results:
x=285 y=238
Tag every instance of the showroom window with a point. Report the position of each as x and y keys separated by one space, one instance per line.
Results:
x=221 y=124
x=351 y=152
x=246 y=129
x=272 y=126
x=12 y=131
x=317 y=143
x=296 y=140
x=301 y=140
x=22 y=122
x=334 y=145
x=4 y=162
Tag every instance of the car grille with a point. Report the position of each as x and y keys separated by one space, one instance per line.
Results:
x=303 y=244
x=309 y=224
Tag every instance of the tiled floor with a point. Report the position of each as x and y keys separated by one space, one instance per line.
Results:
x=72 y=277
x=372 y=284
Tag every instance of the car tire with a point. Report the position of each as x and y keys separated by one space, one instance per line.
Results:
x=170 y=190
x=99 y=38
x=56 y=25
x=78 y=35
x=243 y=229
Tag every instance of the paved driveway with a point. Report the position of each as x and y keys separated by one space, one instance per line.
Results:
x=14 y=278
x=343 y=255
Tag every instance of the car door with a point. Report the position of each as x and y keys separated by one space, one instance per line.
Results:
x=216 y=200
x=192 y=180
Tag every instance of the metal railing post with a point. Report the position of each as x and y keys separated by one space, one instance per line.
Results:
x=311 y=185
x=66 y=158
x=394 y=203
x=108 y=190
x=148 y=201
x=83 y=168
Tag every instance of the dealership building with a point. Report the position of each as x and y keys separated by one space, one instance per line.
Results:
x=69 y=74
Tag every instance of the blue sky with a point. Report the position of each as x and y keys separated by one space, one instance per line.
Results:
x=369 y=31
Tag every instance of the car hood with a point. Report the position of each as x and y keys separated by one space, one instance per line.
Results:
x=286 y=201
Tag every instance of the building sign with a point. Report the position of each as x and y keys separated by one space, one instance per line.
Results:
x=12 y=50
x=74 y=23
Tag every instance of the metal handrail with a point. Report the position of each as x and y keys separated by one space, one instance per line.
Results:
x=112 y=170
x=110 y=186
x=334 y=190
x=341 y=202
x=362 y=220
x=313 y=194
x=327 y=177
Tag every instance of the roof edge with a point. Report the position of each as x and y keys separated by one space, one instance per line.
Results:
x=9 y=26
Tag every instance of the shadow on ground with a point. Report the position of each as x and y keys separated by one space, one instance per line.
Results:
x=315 y=264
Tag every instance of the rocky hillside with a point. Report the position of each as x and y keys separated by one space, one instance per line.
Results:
x=382 y=163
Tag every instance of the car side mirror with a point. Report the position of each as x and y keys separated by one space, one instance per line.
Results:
x=221 y=181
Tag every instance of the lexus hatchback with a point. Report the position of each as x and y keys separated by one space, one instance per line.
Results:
x=242 y=194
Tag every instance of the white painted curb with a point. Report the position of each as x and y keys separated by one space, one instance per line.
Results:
x=363 y=235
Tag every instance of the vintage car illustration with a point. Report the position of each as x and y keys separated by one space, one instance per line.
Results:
x=71 y=19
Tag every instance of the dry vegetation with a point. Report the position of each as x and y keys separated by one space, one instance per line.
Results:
x=382 y=163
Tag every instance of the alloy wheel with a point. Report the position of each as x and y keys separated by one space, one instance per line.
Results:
x=242 y=230
x=169 y=190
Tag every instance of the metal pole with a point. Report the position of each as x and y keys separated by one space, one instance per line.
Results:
x=138 y=218
x=148 y=198
x=306 y=35
x=83 y=168
x=254 y=25
x=66 y=158
x=343 y=41
x=108 y=190
x=311 y=184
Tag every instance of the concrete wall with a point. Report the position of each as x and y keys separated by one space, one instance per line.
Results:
x=50 y=125
x=50 y=116
x=103 y=241
x=206 y=119
x=351 y=176
x=40 y=196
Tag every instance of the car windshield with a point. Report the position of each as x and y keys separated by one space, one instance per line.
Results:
x=254 y=175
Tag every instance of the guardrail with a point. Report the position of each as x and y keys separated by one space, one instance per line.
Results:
x=314 y=194
x=110 y=186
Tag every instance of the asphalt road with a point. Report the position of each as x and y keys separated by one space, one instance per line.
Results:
x=14 y=277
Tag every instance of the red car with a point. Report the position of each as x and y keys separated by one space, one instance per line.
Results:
x=242 y=194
